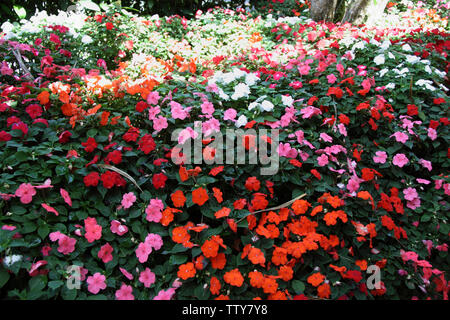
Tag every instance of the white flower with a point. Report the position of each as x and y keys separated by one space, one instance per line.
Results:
x=428 y=69
x=406 y=47
x=251 y=79
x=241 y=121
x=253 y=105
x=287 y=100
x=7 y=27
x=241 y=90
x=426 y=83
x=86 y=39
x=228 y=77
x=385 y=45
x=391 y=56
x=379 y=59
x=359 y=45
x=390 y=86
x=238 y=73
x=412 y=59
x=383 y=72
x=267 y=105
x=223 y=95
x=10 y=260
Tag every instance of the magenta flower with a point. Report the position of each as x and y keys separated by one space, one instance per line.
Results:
x=93 y=230
x=96 y=283
x=125 y=293
x=230 y=114
x=186 y=134
x=432 y=134
x=105 y=253
x=178 y=112
x=285 y=150
x=160 y=123
x=50 y=209
x=152 y=112
x=66 y=244
x=426 y=164
x=207 y=108
x=325 y=137
x=380 y=157
x=353 y=185
x=153 y=210
x=309 y=111
x=25 y=192
x=147 y=277
x=400 y=160
x=154 y=240
x=153 y=97
x=128 y=199
x=65 y=196
x=128 y=275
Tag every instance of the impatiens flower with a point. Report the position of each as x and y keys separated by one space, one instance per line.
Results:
x=128 y=275
x=96 y=283
x=160 y=123
x=285 y=150
x=105 y=253
x=154 y=240
x=380 y=157
x=128 y=199
x=118 y=228
x=325 y=137
x=322 y=160
x=65 y=196
x=200 y=196
x=159 y=180
x=230 y=114
x=142 y=252
x=400 y=136
x=241 y=121
x=91 y=179
x=165 y=294
x=66 y=244
x=147 y=277
x=93 y=230
x=89 y=145
x=432 y=134
x=125 y=293
x=309 y=111
x=400 y=160
x=153 y=97
x=410 y=194
x=234 y=278
x=154 y=210
x=50 y=209
x=25 y=192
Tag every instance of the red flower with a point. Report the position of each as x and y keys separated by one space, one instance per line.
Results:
x=147 y=144
x=91 y=179
x=64 y=137
x=111 y=179
x=159 y=180
x=131 y=135
x=200 y=196
x=89 y=145
x=141 y=106
x=114 y=157
x=109 y=26
x=252 y=184
x=412 y=110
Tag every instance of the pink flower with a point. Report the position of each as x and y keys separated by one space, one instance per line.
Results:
x=147 y=277
x=309 y=111
x=230 y=114
x=125 y=293
x=207 y=108
x=165 y=294
x=66 y=244
x=353 y=185
x=93 y=230
x=325 y=137
x=142 y=251
x=5 y=69
x=128 y=199
x=152 y=112
x=154 y=209
x=49 y=209
x=186 y=134
x=426 y=164
x=105 y=253
x=160 y=123
x=413 y=204
x=118 y=228
x=423 y=181
x=153 y=97
x=400 y=136
x=285 y=150
x=322 y=160
x=432 y=134
x=128 y=275
x=331 y=78
x=65 y=196
x=178 y=112
x=154 y=240
x=210 y=126
x=342 y=129
x=25 y=192
x=35 y=266
x=380 y=157
x=400 y=160
x=410 y=194
x=96 y=283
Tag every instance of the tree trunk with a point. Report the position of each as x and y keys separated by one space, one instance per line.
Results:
x=323 y=10
x=358 y=10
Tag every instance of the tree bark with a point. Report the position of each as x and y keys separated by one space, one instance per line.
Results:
x=358 y=10
x=323 y=10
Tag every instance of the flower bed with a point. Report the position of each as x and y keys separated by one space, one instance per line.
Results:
x=100 y=202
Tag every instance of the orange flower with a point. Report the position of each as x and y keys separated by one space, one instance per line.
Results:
x=234 y=278
x=167 y=216
x=323 y=291
x=219 y=261
x=180 y=235
x=210 y=248
x=262 y=231
x=286 y=273
x=178 y=198
x=186 y=271
x=232 y=224
x=362 y=264
x=104 y=118
x=217 y=194
x=215 y=171
x=270 y=285
x=315 y=279
x=199 y=262
x=256 y=256
x=334 y=201
x=200 y=196
x=256 y=279
x=224 y=212
x=252 y=184
x=316 y=210
x=259 y=201
x=331 y=217
x=300 y=206
x=183 y=174
x=279 y=256
x=214 y=286
x=273 y=230
x=222 y=297
x=43 y=97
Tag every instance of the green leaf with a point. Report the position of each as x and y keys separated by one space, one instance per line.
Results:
x=177 y=259
x=4 y=277
x=298 y=286
x=55 y=284
x=20 y=11
x=43 y=231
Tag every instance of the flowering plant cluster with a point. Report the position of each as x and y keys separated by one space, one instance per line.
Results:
x=98 y=201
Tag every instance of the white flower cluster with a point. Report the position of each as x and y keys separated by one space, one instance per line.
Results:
x=10 y=260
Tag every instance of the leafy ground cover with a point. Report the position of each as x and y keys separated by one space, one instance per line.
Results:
x=93 y=182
